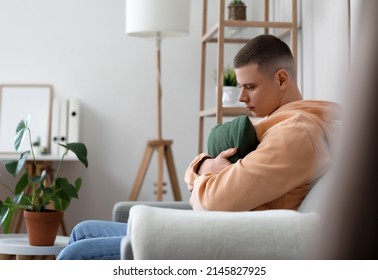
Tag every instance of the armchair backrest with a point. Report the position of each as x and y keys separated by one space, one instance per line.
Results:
x=313 y=202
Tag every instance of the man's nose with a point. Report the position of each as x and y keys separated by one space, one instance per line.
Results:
x=243 y=96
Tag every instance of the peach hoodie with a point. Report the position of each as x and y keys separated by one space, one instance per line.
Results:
x=293 y=153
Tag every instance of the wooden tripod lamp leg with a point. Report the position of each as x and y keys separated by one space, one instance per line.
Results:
x=172 y=173
x=141 y=173
x=163 y=148
x=160 y=183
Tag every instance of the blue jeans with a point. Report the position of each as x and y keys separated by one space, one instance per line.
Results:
x=94 y=240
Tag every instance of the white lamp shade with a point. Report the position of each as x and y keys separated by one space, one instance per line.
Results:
x=157 y=18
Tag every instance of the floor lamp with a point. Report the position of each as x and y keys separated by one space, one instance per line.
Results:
x=157 y=19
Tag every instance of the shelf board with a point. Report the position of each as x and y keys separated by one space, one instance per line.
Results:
x=234 y=27
x=226 y=112
x=48 y=157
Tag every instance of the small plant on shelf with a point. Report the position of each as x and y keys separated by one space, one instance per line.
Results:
x=236 y=2
x=229 y=77
x=237 y=10
x=230 y=94
x=34 y=193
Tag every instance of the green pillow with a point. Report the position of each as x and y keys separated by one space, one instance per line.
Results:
x=238 y=133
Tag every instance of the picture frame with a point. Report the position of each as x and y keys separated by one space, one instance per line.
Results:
x=17 y=102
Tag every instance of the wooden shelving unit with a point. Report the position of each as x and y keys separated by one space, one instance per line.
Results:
x=227 y=32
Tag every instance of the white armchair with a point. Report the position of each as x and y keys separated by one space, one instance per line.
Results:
x=171 y=230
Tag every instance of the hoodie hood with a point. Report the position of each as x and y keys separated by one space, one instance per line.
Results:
x=325 y=114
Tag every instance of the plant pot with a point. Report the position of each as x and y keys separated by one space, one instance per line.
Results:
x=42 y=227
x=237 y=12
x=230 y=97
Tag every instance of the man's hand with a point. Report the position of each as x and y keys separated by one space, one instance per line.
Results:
x=217 y=164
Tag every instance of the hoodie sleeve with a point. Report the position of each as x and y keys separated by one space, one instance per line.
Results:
x=283 y=161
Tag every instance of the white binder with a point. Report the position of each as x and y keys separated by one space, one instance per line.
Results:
x=63 y=124
x=55 y=127
x=73 y=120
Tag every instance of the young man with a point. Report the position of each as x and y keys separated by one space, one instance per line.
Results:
x=292 y=154
x=294 y=138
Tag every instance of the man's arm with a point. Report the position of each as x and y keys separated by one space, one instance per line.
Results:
x=281 y=163
x=203 y=163
x=217 y=164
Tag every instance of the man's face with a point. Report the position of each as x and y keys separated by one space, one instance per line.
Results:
x=260 y=92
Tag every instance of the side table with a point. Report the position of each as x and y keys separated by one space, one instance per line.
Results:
x=18 y=245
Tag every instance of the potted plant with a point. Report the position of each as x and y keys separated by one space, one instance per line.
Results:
x=33 y=194
x=237 y=10
x=229 y=77
x=230 y=95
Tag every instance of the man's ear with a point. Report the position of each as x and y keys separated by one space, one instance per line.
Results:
x=282 y=77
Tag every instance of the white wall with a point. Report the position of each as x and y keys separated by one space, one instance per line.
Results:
x=79 y=47
x=325 y=48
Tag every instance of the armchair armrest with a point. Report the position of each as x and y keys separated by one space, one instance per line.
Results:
x=157 y=233
x=121 y=209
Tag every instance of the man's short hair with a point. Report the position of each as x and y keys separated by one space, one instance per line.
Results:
x=270 y=54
